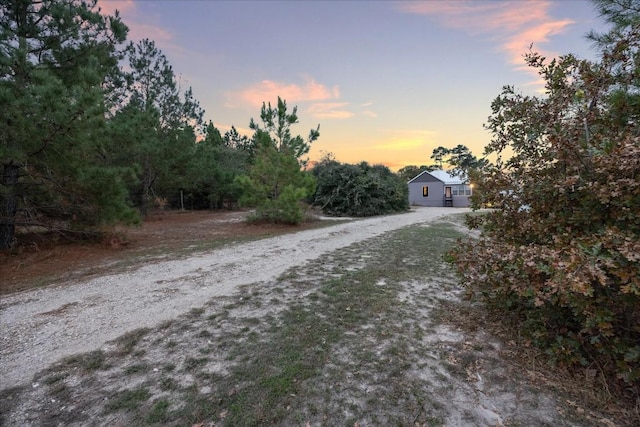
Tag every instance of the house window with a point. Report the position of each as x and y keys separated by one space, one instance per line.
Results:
x=461 y=190
x=425 y=191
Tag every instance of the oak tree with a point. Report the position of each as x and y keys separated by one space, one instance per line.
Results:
x=559 y=255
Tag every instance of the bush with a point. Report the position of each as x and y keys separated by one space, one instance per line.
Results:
x=276 y=187
x=286 y=209
x=358 y=190
x=560 y=254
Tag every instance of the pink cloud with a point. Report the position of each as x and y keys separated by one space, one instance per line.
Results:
x=519 y=43
x=109 y=7
x=330 y=110
x=269 y=90
x=138 y=30
x=366 y=111
x=513 y=16
x=517 y=24
x=456 y=14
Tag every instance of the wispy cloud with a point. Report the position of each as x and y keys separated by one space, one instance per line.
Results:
x=514 y=25
x=536 y=35
x=139 y=31
x=330 y=110
x=367 y=111
x=138 y=27
x=269 y=90
x=110 y=7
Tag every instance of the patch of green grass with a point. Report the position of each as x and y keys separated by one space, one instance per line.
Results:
x=60 y=390
x=57 y=387
x=195 y=409
x=127 y=400
x=168 y=384
x=54 y=378
x=253 y=321
x=159 y=412
x=296 y=345
x=88 y=362
x=138 y=368
x=205 y=350
x=166 y=324
x=193 y=362
x=196 y=312
x=204 y=334
x=127 y=342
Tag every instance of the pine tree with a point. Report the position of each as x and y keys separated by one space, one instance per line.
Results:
x=276 y=183
x=55 y=58
x=155 y=126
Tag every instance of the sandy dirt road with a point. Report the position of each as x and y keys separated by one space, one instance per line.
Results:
x=38 y=327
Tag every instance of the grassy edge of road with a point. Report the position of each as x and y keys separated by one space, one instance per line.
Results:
x=358 y=336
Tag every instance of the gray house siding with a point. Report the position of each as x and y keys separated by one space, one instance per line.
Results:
x=435 y=192
x=461 y=201
x=434 y=195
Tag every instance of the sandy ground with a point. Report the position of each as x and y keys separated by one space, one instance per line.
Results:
x=38 y=327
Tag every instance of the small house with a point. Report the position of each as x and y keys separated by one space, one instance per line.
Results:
x=439 y=188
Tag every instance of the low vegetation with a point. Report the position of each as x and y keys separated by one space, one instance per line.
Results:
x=359 y=336
x=559 y=255
x=358 y=190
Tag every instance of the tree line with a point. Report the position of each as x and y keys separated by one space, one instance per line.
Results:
x=97 y=131
x=459 y=161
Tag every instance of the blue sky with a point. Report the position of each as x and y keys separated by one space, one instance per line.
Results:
x=387 y=81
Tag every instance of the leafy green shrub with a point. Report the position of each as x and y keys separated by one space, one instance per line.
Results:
x=286 y=209
x=560 y=254
x=358 y=190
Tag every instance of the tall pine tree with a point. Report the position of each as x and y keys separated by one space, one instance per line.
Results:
x=55 y=56
x=155 y=126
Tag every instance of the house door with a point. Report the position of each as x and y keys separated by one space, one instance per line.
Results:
x=448 y=200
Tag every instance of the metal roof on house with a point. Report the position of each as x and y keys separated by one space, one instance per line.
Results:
x=444 y=176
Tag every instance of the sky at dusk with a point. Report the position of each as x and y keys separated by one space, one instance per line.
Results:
x=387 y=81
